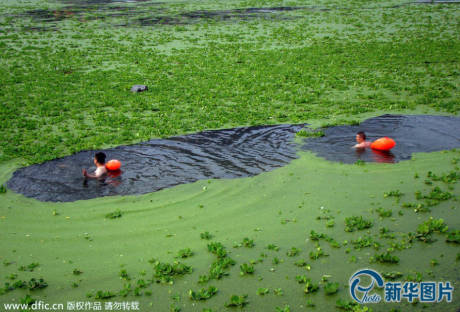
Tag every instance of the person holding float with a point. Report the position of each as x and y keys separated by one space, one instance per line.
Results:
x=102 y=168
x=382 y=144
x=99 y=161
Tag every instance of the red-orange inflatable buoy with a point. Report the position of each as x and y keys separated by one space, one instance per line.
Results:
x=113 y=165
x=383 y=144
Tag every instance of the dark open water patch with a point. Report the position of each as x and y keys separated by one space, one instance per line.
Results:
x=162 y=163
x=412 y=133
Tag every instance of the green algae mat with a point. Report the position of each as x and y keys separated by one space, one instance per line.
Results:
x=286 y=240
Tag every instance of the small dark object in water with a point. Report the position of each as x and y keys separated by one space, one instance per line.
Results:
x=139 y=88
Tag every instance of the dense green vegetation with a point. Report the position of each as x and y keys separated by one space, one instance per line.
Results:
x=67 y=88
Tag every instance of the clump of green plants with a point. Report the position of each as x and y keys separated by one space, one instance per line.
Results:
x=76 y=272
x=293 y=252
x=2 y=189
x=237 y=301
x=272 y=247
x=303 y=264
x=29 y=267
x=249 y=243
x=414 y=277
x=34 y=284
x=357 y=223
x=184 y=253
x=301 y=279
x=364 y=242
x=278 y=291
x=331 y=288
x=435 y=196
x=218 y=267
x=393 y=275
x=262 y=291
x=114 y=215
x=418 y=207
x=124 y=275
x=397 y=194
x=165 y=272
x=286 y=308
x=348 y=306
x=310 y=134
x=202 y=294
x=427 y=228
x=100 y=294
x=246 y=269
x=206 y=235
x=451 y=177
x=317 y=253
x=317 y=236
x=310 y=287
x=453 y=237
x=386 y=258
x=384 y=213
x=28 y=300
x=330 y=223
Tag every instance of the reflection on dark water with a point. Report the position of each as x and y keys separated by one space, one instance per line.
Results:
x=162 y=163
x=365 y=154
x=413 y=134
x=151 y=13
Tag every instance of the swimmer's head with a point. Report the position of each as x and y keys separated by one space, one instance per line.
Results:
x=360 y=137
x=99 y=158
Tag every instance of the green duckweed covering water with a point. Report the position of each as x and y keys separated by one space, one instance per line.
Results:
x=65 y=87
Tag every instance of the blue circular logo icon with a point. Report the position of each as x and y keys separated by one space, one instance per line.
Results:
x=361 y=294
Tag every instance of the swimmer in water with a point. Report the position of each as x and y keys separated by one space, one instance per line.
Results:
x=99 y=161
x=361 y=140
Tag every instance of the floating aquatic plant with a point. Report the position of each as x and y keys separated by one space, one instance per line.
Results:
x=272 y=247
x=384 y=213
x=310 y=134
x=331 y=288
x=202 y=294
x=310 y=287
x=164 y=272
x=453 y=237
x=427 y=228
x=184 y=253
x=76 y=272
x=27 y=300
x=386 y=258
x=286 y=308
x=262 y=291
x=293 y=252
x=356 y=223
x=246 y=269
x=249 y=243
x=114 y=215
x=393 y=275
x=206 y=235
x=29 y=267
x=237 y=301
x=348 y=306
x=101 y=294
x=34 y=284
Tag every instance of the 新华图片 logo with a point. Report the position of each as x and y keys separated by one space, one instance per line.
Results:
x=429 y=292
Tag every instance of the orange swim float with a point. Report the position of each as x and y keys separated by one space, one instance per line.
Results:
x=113 y=165
x=383 y=144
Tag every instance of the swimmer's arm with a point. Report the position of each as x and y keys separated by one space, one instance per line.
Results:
x=89 y=175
